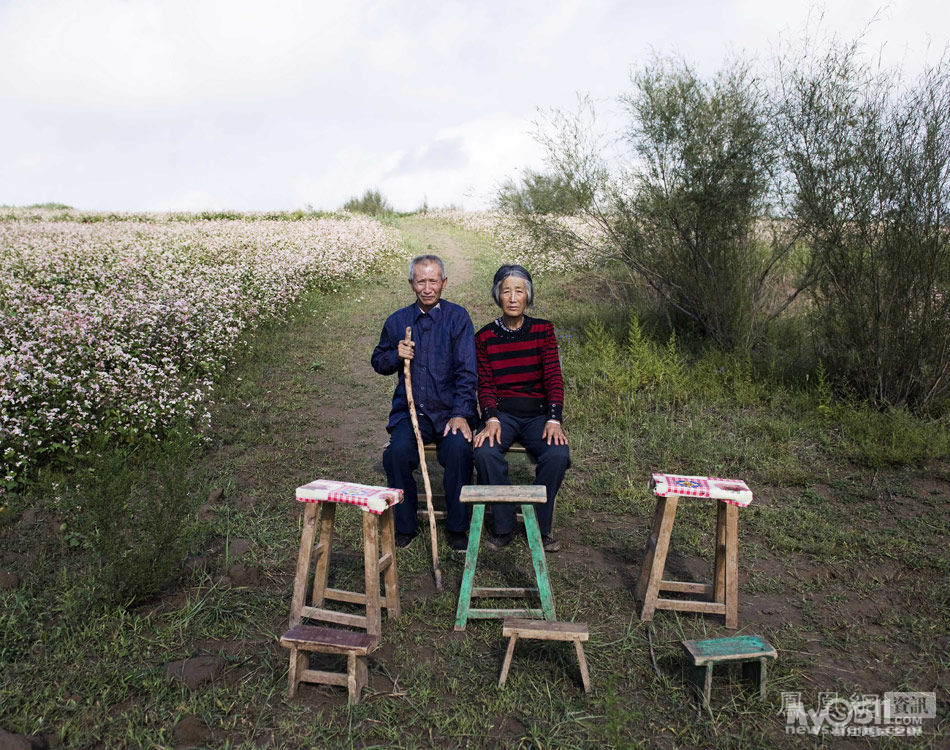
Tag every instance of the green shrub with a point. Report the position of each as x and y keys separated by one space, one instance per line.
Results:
x=870 y=160
x=133 y=509
x=543 y=194
x=893 y=437
x=372 y=203
x=686 y=208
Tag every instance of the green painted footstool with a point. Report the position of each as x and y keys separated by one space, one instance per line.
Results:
x=741 y=648
x=524 y=495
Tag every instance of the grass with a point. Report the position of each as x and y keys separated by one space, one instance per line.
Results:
x=842 y=553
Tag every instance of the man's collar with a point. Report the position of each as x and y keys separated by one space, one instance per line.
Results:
x=419 y=311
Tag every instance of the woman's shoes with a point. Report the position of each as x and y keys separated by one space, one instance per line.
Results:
x=501 y=541
x=550 y=544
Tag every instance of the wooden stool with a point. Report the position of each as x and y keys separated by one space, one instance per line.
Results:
x=378 y=531
x=545 y=630
x=722 y=595
x=525 y=495
x=742 y=648
x=376 y=502
x=355 y=646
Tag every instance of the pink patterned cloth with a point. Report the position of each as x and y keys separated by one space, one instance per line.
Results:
x=369 y=498
x=733 y=491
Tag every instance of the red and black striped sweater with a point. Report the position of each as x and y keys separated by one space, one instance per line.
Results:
x=519 y=371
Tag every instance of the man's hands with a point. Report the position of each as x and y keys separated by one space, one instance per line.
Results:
x=456 y=424
x=406 y=349
x=491 y=432
x=553 y=434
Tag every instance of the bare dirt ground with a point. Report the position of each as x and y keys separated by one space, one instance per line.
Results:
x=307 y=404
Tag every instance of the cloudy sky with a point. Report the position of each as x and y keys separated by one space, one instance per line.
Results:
x=213 y=104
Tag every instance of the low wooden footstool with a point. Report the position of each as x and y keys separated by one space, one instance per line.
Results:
x=545 y=630
x=301 y=639
x=742 y=648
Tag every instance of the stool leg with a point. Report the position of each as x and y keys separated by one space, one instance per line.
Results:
x=653 y=573
x=298 y=663
x=327 y=516
x=352 y=679
x=506 y=664
x=538 y=561
x=391 y=577
x=719 y=572
x=471 y=561
x=374 y=623
x=650 y=551
x=362 y=672
x=763 y=672
x=303 y=562
x=732 y=566
x=582 y=663
x=707 y=685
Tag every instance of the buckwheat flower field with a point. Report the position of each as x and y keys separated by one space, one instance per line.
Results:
x=120 y=325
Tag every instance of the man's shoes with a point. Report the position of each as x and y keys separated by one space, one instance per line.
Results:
x=550 y=544
x=404 y=540
x=458 y=540
x=500 y=542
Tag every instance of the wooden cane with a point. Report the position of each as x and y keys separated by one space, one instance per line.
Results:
x=425 y=472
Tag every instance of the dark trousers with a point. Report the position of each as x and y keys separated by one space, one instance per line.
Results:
x=553 y=463
x=401 y=457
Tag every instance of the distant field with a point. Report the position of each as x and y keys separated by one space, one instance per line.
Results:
x=120 y=323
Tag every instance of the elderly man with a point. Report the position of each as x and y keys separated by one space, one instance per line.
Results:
x=442 y=363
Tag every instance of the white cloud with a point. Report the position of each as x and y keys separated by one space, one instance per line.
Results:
x=245 y=104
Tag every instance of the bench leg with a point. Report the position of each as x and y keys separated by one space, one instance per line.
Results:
x=471 y=562
x=506 y=664
x=707 y=685
x=582 y=663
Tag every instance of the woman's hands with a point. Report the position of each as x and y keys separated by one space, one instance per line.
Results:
x=553 y=434
x=491 y=432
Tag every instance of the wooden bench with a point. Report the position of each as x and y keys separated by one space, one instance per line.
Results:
x=742 y=648
x=545 y=630
x=302 y=639
x=438 y=498
x=524 y=495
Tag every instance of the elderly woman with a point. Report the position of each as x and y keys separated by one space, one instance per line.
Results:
x=521 y=394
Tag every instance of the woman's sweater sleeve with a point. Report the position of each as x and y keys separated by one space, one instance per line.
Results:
x=553 y=381
x=487 y=393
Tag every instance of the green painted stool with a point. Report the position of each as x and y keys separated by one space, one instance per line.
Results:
x=525 y=495
x=741 y=648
